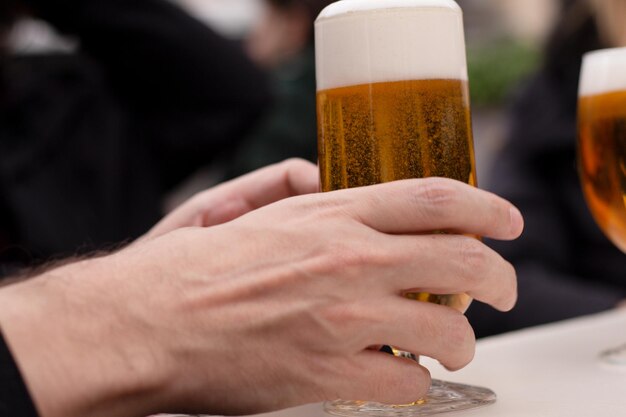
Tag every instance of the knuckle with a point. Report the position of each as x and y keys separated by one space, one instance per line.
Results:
x=342 y=256
x=436 y=193
x=200 y=199
x=384 y=257
x=355 y=255
x=336 y=329
x=475 y=258
x=295 y=164
x=346 y=314
x=328 y=206
x=335 y=260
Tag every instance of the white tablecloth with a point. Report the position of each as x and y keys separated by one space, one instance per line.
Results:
x=549 y=371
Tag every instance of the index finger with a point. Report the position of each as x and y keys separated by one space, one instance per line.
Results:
x=434 y=204
x=235 y=198
x=259 y=188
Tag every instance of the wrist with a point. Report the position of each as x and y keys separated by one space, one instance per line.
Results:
x=81 y=351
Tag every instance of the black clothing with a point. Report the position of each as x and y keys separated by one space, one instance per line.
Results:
x=14 y=398
x=289 y=128
x=90 y=142
x=566 y=267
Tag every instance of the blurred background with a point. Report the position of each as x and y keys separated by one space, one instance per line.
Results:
x=504 y=39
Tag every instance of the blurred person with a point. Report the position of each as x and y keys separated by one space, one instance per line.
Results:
x=282 y=44
x=8 y=10
x=91 y=141
x=244 y=300
x=566 y=266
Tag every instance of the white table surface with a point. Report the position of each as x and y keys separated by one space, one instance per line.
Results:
x=548 y=371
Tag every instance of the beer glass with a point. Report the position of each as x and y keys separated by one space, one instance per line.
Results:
x=393 y=104
x=602 y=148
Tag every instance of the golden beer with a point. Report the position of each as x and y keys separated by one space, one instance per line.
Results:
x=602 y=150
x=371 y=134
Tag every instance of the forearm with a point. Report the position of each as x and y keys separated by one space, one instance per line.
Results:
x=73 y=346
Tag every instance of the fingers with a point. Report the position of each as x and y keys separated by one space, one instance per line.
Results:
x=233 y=199
x=450 y=264
x=434 y=204
x=436 y=264
x=425 y=329
x=290 y=178
x=380 y=377
x=236 y=198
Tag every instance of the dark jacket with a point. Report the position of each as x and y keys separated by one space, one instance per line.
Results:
x=90 y=142
x=289 y=128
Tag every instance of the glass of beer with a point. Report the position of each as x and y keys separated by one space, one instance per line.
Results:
x=393 y=104
x=602 y=140
x=602 y=149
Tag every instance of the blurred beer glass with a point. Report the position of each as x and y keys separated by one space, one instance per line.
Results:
x=602 y=150
x=393 y=104
x=602 y=140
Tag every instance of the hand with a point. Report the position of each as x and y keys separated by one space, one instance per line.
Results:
x=235 y=198
x=274 y=309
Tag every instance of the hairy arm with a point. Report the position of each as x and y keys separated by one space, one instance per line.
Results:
x=168 y=324
x=73 y=347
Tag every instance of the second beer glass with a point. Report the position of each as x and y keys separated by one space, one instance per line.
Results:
x=602 y=139
x=393 y=104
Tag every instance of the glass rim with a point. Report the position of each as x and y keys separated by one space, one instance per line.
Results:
x=343 y=8
x=603 y=71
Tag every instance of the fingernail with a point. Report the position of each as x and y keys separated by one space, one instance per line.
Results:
x=517 y=221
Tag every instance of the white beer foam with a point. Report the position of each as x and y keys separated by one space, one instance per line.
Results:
x=369 y=41
x=349 y=6
x=603 y=71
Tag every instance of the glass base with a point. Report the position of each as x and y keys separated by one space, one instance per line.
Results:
x=443 y=397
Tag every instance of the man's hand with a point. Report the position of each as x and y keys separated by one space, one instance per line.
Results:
x=277 y=308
